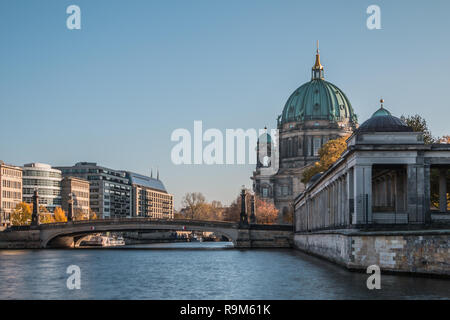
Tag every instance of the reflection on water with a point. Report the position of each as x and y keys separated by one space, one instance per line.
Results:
x=188 y=271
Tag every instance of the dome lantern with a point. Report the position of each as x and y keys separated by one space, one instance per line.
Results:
x=317 y=70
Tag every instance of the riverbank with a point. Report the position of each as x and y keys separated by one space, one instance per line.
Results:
x=416 y=252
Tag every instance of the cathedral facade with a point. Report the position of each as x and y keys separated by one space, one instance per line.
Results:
x=316 y=112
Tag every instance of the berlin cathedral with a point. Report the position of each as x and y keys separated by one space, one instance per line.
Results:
x=315 y=112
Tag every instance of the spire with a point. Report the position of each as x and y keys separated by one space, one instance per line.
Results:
x=151 y=173
x=157 y=175
x=381 y=101
x=317 y=69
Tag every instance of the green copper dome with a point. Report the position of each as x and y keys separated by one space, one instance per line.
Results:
x=381 y=112
x=318 y=100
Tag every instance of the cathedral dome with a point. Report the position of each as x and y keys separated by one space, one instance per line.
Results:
x=318 y=100
x=383 y=121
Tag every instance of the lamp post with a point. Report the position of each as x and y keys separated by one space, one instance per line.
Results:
x=252 y=209
x=35 y=214
x=70 y=207
x=243 y=217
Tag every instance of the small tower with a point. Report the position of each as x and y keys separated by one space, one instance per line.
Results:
x=35 y=214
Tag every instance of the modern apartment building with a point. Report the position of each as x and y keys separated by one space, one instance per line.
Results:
x=79 y=188
x=149 y=197
x=10 y=191
x=47 y=180
x=110 y=190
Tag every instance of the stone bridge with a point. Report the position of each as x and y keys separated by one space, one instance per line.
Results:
x=66 y=234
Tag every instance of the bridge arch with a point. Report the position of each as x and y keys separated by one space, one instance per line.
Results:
x=63 y=232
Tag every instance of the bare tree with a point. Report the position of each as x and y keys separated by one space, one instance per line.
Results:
x=194 y=203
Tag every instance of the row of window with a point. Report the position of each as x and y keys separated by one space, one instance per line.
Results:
x=39 y=182
x=39 y=173
x=42 y=192
x=116 y=186
x=12 y=172
x=9 y=204
x=80 y=194
x=46 y=201
x=12 y=194
x=292 y=147
x=12 y=184
x=280 y=190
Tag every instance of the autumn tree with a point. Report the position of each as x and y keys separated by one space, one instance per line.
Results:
x=329 y=153
x=92 y=215
x=60 y=215
x=445 y=139
x=45 y=216
x=419 y=124
x=265 y=212
x=21 y=215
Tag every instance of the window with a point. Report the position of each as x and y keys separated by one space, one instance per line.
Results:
x=265 y=192
x=316 y=146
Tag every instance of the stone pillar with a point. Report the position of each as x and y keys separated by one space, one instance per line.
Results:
x=443 y=190
x=427 y=193
x=415 y=193
x=351 y=195
x=362 y=177
x=35 y=214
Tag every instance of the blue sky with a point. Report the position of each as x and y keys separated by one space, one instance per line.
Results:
x=114 y=91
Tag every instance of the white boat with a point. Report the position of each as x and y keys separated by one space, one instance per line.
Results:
x=102 y=241
x=112 y=242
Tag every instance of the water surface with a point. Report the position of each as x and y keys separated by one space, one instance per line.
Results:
x=196 y=271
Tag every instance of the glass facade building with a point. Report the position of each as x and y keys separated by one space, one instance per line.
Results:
x=46 y=180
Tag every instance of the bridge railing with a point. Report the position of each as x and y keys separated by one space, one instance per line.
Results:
x=141 y=220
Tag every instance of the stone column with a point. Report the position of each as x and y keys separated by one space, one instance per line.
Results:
x=362 y=177
x=351 y=194
x=415 y=193
x=427 y=193
x=443 y=190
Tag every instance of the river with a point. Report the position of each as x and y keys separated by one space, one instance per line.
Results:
x=196 y=271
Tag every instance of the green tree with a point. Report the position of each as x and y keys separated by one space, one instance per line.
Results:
x=419 y=124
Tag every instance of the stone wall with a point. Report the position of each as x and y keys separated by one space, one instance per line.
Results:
x=423 y=252
x=270 y=239
x=20 y=239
